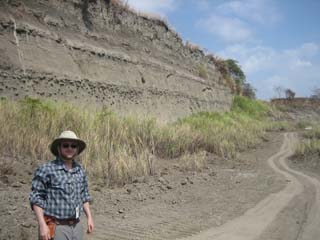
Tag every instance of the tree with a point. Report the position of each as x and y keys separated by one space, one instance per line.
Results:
x=236 y=73
x=290 y=94
x=234 y=76
x=315 y=93
x=279 y=90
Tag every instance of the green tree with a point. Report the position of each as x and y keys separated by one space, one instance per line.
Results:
x=236 y=74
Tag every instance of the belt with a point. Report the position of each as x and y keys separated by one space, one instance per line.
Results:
x=71 y=221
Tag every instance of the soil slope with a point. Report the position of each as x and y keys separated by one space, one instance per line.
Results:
x=103 y=54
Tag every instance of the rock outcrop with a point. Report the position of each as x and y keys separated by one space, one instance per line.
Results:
x=99 y=52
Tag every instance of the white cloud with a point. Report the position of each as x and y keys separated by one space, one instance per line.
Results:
x=261 y=58
x=260 y=11
x=300 y=81
x=307 y=50
x=228 y=29
x=300 y=63
x=297 y=69
x=252 y=59
x=235 y=21
x=160 y=7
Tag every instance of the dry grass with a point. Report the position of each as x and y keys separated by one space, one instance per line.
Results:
x=193 y=47
x=121 y=149
x=202 y=71
x=118 y=149
x=125 y=7
x=191 y=162
x=309 y=149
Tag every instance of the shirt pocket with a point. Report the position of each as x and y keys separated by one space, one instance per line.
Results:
x=63 y=184
x=79 y=181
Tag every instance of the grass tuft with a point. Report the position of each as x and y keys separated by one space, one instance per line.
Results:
x=309 y=149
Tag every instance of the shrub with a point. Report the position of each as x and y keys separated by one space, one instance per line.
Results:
x=202 y=71
x=309 y=149
x=313 y=134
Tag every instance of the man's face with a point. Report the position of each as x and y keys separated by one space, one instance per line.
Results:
x=68 y=149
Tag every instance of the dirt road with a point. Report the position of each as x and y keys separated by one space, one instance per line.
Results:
x=270 y=201
x=261 y=222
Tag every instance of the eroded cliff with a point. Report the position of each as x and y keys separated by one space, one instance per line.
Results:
x=99 y=52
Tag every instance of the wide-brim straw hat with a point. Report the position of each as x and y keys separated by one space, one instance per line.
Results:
x=67 y=135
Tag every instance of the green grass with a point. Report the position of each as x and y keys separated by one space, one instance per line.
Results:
x=227 y=134
x=121 y=149
x=252 y=108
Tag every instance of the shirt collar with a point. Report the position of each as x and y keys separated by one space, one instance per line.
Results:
x=60 y=165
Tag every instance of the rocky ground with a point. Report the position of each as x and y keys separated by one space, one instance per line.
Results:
x=172 y=204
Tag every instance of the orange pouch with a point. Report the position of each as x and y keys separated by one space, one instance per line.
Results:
x=51 y=225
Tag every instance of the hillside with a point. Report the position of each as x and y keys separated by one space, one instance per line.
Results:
x=102 y=53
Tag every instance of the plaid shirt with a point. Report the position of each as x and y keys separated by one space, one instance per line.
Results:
x=59 y=191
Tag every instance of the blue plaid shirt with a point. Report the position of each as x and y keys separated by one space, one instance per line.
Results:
x=59 y=191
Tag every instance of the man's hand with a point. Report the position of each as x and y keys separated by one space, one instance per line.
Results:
x=86 y=208
x=44 y=231
x=90 y=225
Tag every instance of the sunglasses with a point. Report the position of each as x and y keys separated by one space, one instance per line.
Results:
x=67 y=145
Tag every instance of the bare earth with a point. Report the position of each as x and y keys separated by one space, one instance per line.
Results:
x=253 y=223
x=256 y=197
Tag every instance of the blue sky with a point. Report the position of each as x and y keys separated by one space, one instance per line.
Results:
x=276 y=42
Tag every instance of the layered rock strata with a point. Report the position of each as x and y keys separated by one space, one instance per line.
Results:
x=99 y=52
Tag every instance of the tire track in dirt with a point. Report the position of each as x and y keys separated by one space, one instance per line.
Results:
x=310 y=229
x=163 y=230
x=249 y=226
x=252 y=223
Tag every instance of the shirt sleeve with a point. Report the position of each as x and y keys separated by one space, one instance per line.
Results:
x=38 y=193
x=85 y=191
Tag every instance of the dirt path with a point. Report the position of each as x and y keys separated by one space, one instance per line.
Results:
x=254 y=223
x=179 y=204
x=256 y=196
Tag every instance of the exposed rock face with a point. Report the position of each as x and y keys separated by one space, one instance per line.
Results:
x=99 y=52
x=312 y=103
x=299 y=109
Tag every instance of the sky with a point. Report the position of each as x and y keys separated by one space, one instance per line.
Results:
x=276 y=42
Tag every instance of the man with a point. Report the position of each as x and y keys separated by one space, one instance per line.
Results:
x=60 y=192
